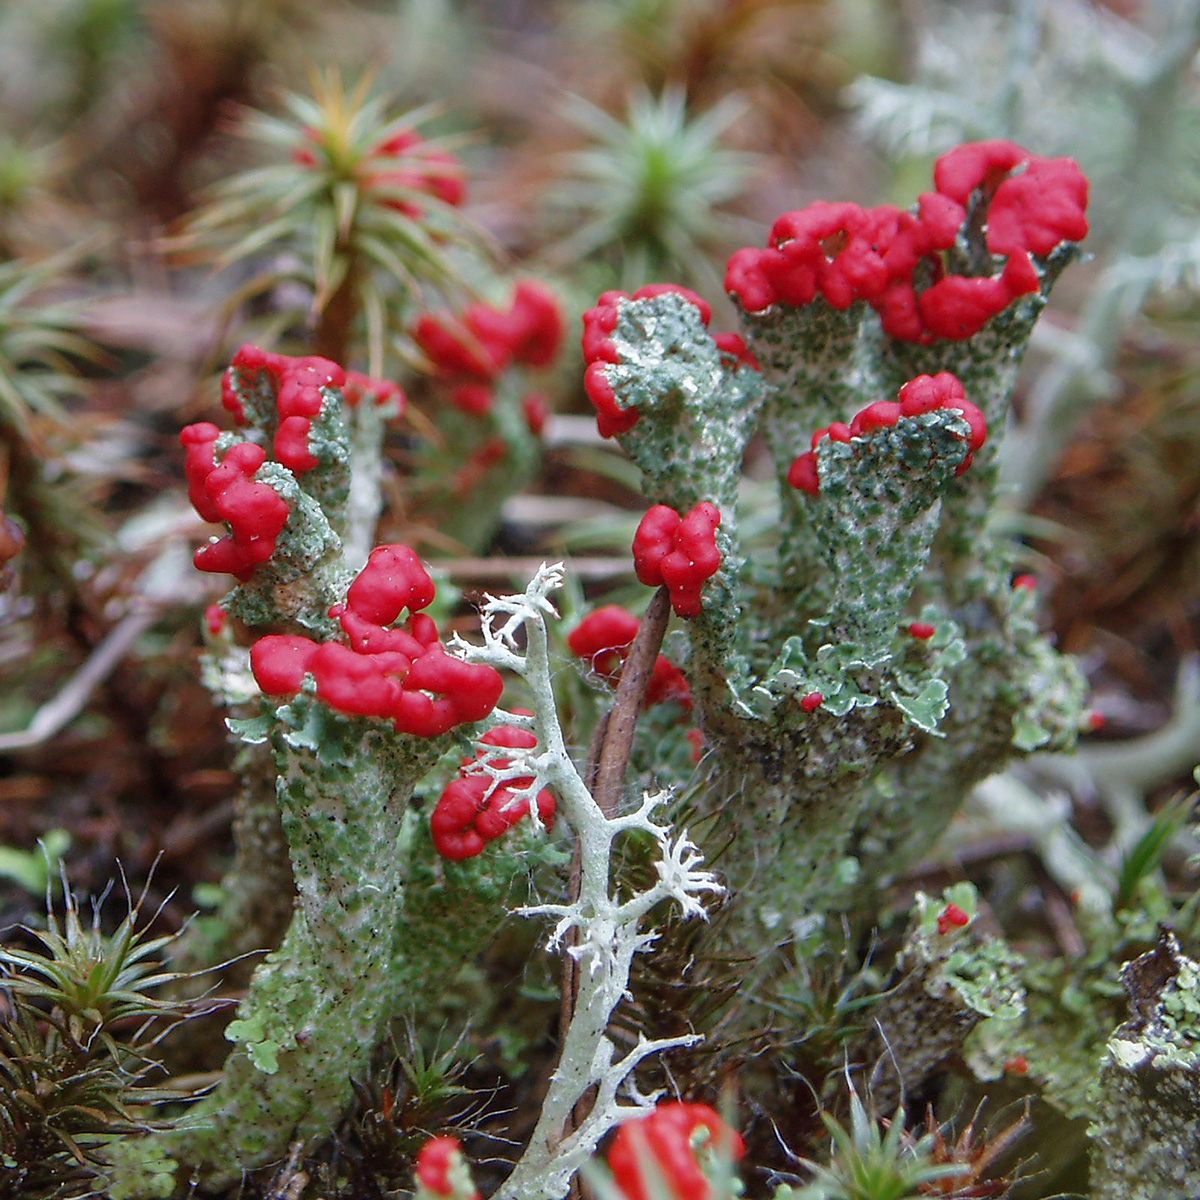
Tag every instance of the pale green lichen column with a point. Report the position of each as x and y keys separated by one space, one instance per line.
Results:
x=313 y=1013
x=1146 y=1134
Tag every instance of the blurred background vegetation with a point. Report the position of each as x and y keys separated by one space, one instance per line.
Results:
x=180 y=176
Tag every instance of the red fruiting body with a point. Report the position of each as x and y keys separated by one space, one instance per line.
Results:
x=733 y=345
x=1095 y=720
x=923 y=394
x=402 y=675
x=280 y=661
x=921 y=630
x=214 y=619
x=359 y=386
x=667 y=683
x=297 y=384
x=421 y=170
x=810 y=701
x=1025 y=583
x=291 y=445
x=484 y=457
x=474 y=398
x=227 y=492
x=392 y=580
x=951 y=917
x=536 y=409
x=802 y=474
x=468 y=814
x=611 y=418
x=679 y=552
x=602 y=639
x=435 y=1160
x=846 y=253
x=599 y=350
x=198 y=463
x=1017 y=1066
x=654 y=1152
x=696 y=744
x=484 y=341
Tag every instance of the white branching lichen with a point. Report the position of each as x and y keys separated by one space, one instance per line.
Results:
x=608 y=929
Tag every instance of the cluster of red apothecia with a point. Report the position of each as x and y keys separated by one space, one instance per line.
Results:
x=403 y=675
x=403 y=168
x=474 y=810
x=680 y=552
x=599 y=351
x=661 y=1146
x=438 y=1160
x=921 y=395
x=472 y=349
x=886 y=256
x=603 y=638
x=227 y=491
x=892 y=258
x=646 y=1152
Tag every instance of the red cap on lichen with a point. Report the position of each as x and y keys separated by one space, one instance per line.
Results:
x=392 y=580
x=441 y=1170
x=599 y=351
x=280 y=662
x=198 y=441
x=923 y=394
x=401 y=675
x=733 y=345
x=536 y=410
x=951 y=917
x=845 y=253
x=921 y=630
x=811 y=701
x=667 y=683
x=382 y=391
x=214 y=619
x=659 y=1148
x=679 y=552
x=481 y=343
x=602 y=637
x=926 y=393
x=297 y=385
x=471 y=812
x=254 y=512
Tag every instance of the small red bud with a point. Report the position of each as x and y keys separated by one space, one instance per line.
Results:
x=214 y=619
x=810 y=701
x=1027 y=582
x=951 y=917
x=1017 y=1066
x=921 y=630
